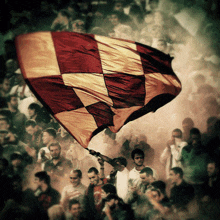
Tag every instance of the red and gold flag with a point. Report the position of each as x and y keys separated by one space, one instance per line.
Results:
x=90 y=82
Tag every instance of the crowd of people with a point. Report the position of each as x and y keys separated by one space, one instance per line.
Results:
x=46 y=174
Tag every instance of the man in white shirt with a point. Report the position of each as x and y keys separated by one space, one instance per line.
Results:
x=172 y=153
x=121 y=178
x=134 y=175
x=138 y=157
x=75 y=190
x=48 y=137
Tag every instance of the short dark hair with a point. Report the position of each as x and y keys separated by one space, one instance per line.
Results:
x=137 y=151
x=51 y=132
x=117 y=13
x=5 y=119
x=159 y=185
x=30 y=122
x=217 y=164
x=73 y=202
x=5 y=113
x=16 y=155
x=109 y=188
x=212 y=120
x=79 y=172
x=147 y=170
x=55 y=144
x=179 y=131
x=65 y=13
x=112 y=196
x=43 y=176
x=122 y=161
x=35 y=106
x=93 y=169
x=178 y=170
x=156 y=190
x=195 y=131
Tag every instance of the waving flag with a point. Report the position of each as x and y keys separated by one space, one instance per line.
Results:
x=90 y=82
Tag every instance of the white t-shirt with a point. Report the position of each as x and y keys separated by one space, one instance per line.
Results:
x=122 y=183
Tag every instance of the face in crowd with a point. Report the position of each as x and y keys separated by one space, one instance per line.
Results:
x=74 y=179
x=55 y=152
x=196 y=140
x=138 y=160
x=146 y=179
x=173 y=176
x=94 y=178
x=75 y=210
x=114 y=19
x=212 y=170
x=37 y=182
x=30 y=130
x=46 y=138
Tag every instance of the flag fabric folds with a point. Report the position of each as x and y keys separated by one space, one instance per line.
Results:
x=90 y=82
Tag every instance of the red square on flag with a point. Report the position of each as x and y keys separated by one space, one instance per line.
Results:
x=125 y=90
x=76 y=53
x=102 y=113
x=55 y=94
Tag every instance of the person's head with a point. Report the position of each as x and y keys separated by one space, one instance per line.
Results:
x=138 y=156
x=108 y=189
x=153 y=4
x=75 y=177
x=154 y=194
x=43 y=119
x=212 y=168
x=18 y=77
x=114 y=17
x=146 y=175
x=16 y=159
x=78 y=26
x=64 y=16
x=11 y=65
x=41 y=178
x=49 y=135
x=34 y=109
x=12 y=101
x=176 y=175
x=187 y=124
x=55 y=150
x=112 y=201
x=118 y=6
x=30 y=126
x=4 y=123
x=195 y=137
x=75 y=208
x=121 y=163
x=159 y=185
x=176 y=134
x=93 y=175
x=6 y=85
x=56 y=212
